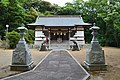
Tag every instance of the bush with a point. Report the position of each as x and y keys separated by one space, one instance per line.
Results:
x=101 y=39
x=13 y=38
x=29 y=36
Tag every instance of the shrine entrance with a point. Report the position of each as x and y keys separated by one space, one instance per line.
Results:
x=59 y=37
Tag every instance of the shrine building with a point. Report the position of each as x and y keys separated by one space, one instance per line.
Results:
x=60 y=30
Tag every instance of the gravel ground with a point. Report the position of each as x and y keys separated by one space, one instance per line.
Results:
x=112 y=56
x=6 y=58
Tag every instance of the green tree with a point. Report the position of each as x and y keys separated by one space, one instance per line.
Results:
x=3 y=16
x=30 y=16
x=41 y=6
x=12 y=13
x=29 y=36
x=106 y=15
x=111 y=17
x=15 y=14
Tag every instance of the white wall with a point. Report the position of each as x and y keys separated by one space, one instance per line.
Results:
x=38 y=34
x=79 y=36
x=80 y=39
x=38 y=31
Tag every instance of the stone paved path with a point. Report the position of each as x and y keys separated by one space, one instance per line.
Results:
x=58 y=65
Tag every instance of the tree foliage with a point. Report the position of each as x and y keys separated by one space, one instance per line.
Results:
x=29 y=36
x=13 y=38
x=105 y=13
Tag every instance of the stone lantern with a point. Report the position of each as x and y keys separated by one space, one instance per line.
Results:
x=95 y=59
x=21 y=58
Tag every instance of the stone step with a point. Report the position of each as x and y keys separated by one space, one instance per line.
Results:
x=59 y=46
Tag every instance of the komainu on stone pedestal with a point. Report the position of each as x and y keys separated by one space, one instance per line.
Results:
x=43 y=47
x=75 y=46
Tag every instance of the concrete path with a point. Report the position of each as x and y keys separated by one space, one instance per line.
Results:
x=58 y=65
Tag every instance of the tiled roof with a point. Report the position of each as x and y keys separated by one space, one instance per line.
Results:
x=60 y=21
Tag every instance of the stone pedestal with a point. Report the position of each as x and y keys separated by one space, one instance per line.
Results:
x=95 y=59
x=21 y=58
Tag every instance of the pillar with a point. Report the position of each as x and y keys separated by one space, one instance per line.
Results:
x=49 y=38
x=69 y=38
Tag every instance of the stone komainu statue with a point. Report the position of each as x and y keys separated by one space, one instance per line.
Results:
x=43 y=46
x=75 y=46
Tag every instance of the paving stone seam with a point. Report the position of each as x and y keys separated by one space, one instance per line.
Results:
x=88 y=75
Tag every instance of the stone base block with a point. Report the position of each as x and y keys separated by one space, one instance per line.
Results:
x=95 y=67
x=21 y=67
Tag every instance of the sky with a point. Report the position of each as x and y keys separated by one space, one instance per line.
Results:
x=60 y=2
